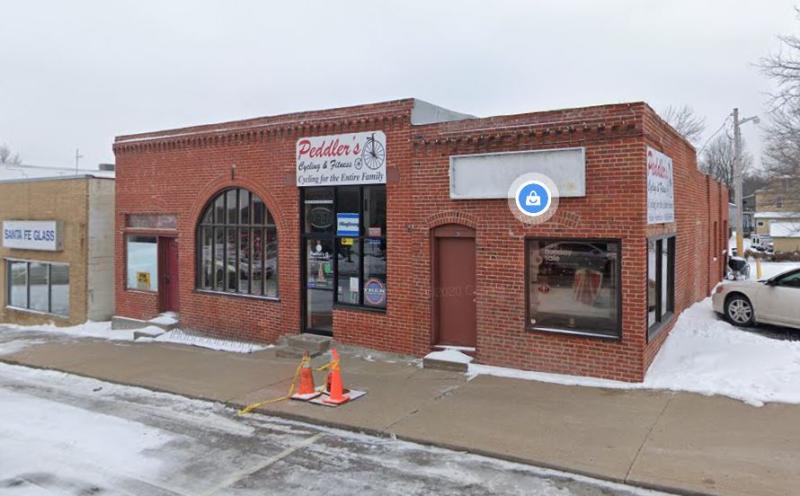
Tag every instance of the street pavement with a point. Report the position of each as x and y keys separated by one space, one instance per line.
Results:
x=679 y=442
x=69 y=435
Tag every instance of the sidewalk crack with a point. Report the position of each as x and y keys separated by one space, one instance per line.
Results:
x=647 y=437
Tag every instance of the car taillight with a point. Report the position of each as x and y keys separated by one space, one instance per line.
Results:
x=719 y=288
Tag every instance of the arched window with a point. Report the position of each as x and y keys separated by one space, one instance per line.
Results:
x=237 y=246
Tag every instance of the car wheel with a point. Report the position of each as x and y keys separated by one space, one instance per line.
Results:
x=739 y=311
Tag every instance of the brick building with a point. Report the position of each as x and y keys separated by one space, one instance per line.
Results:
x=57 y=245
x=390 y=226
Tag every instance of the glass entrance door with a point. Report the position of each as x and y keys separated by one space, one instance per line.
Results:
x=318 y=277
x=319 y=284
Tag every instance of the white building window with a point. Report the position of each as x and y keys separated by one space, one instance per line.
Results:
x=38 y=286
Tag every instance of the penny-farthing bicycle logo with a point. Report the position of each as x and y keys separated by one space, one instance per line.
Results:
x=374 y=154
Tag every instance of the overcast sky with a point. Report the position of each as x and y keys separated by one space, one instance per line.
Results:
x=76 y=74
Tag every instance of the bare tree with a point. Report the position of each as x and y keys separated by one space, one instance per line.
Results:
x=6 y=158
x=781 y=156
x=717 y=160
x=685 y=121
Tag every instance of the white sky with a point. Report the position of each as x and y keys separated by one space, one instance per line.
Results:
x=76 y=74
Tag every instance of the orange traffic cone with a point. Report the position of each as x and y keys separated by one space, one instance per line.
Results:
x=306 y=389
x=336 y=394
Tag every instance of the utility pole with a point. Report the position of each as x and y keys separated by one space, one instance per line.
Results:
x=78 y=157
x=738 y=176
x=737 y=183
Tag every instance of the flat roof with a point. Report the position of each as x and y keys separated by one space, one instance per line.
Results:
x=25 y=172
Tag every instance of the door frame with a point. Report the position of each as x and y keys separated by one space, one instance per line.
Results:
x=451 y=230
x=162 y=244
x=302 y=238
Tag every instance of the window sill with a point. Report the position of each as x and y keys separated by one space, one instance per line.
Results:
x=37 y=312
x=142 y=291
x=237 y=295
x=568 y=332
x=358 y=308
x=654 y=330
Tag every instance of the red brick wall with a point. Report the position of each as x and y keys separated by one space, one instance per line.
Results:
x=614 y=208
x=177 y=172
x=700 y=201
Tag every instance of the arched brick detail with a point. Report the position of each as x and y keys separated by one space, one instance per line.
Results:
x=451 y=217
x=225 y=182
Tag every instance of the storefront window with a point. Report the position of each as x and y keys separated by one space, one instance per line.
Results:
x=660 y=283
x=237 y=248
x=574 y=286
x=361 y=246
x=142 y=263
x=39 y=286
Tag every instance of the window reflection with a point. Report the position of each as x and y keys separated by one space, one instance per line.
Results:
x=574 y=286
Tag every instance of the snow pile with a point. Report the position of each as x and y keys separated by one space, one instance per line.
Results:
x=179 y=336
x=706 y=355
x=449 y=355
x=772 y=269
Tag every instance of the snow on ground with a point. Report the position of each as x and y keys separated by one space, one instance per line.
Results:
x=449 y=355
x=102 y=330
x=64 y=434
x=89 y=329
x=179 y=336
x=706 y=355
x=771 y=269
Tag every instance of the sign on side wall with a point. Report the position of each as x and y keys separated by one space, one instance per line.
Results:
x=341 y=159
x=43 y=235
x=660 y=195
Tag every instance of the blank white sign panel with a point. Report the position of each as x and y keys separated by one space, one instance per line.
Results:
x=490 y=175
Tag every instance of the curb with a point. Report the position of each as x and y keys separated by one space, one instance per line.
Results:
x=388 y=434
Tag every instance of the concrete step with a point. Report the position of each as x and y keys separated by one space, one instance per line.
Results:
x=149 y=332
x=430 y=363
x=119 y=323
x=166 y=321
x=298 y=344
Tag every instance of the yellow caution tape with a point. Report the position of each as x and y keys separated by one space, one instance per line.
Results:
x=249 y=408
x=305 y=361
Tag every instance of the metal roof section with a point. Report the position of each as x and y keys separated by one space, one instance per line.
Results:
x=427 y=113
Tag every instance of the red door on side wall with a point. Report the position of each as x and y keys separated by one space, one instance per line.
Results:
x=168 y=285
x=454 y=315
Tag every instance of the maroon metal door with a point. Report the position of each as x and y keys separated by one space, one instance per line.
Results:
x=454 y=316
x=168 y=274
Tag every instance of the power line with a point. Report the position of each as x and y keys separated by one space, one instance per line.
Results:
x=715 y=133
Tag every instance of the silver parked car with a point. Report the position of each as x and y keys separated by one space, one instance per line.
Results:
x=769 y=301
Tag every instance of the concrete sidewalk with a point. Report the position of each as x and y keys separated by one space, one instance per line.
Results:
x=674 y=441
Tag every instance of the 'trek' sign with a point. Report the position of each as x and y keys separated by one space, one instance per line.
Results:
x=44 y=235
x=341 y=159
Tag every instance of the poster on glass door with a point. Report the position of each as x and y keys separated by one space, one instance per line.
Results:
x=341 y=159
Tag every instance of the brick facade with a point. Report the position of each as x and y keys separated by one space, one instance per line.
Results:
x=74 y=202
x=177 y=172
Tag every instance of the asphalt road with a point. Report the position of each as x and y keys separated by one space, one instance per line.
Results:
x=63 y=434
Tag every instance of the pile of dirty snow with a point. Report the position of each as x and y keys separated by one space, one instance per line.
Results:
x=179 y=336
x=706 y=355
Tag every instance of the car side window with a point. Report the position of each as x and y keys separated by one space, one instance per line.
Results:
x=791 y=280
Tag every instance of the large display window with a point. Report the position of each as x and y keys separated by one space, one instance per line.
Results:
x=237 y=246
x=574 y=286
x=38 y=286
